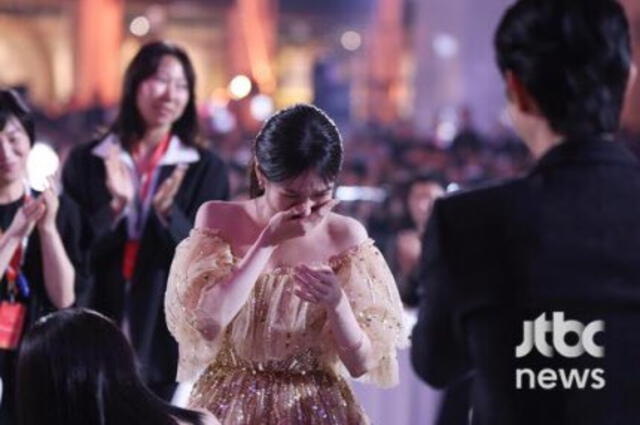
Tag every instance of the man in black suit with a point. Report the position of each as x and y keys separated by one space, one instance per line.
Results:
x=533 y=287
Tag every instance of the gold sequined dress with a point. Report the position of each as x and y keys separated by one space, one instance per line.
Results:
x=276 y=362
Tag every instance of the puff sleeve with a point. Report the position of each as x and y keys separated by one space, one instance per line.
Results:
x=201 y=260
x=373 y=296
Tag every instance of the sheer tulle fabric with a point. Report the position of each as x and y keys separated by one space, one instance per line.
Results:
x=276 y=362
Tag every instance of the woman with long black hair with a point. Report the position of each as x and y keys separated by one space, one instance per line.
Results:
x=139 y=187
x=77 y=368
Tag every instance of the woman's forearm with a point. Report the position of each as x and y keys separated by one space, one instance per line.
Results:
x=354 y=346
x=222 y=302
x=9 y=242
x=59 y=274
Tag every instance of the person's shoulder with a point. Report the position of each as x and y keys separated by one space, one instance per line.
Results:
x=220 y=214
x=489 y=197
x=208 y=156
x=345 y=232
x=209 y=166
x=89 y=145
x=83 y=151
x=473 y=215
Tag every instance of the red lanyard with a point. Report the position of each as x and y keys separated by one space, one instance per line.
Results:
x=147 y=173
x=132 y=246
x=13 y=269
x=15 y=265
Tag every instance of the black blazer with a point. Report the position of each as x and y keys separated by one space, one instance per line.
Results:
x=566 y=238
x=143 y=304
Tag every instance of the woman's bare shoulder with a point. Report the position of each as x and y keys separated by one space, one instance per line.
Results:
x=345 y=232
x=220 y=214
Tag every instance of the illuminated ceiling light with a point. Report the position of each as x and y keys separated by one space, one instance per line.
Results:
x=140 y=26
x=351 y=40
x=445 y=45
x=43 y=161
x=261 y=107
x=240 y=87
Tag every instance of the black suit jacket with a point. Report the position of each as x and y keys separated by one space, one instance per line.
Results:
x=566 y=238
x=143 y=302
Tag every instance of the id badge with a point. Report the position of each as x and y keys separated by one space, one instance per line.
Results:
x=12 y=317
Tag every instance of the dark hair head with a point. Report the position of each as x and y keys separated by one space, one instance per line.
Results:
x=407 y=220
x=422 y=178
x=426 y=177
x=76 y=367
x=12 y=105
x=574 y=58
x=295 y=140
x=129 y=124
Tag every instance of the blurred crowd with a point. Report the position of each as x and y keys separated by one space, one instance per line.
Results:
x=390 y=177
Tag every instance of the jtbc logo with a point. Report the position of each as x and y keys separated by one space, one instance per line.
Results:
x=534 y=334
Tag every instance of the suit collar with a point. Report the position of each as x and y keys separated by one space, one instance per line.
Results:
x=177 y=152
x=586 y=150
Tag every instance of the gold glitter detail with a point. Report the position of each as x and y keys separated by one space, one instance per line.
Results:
x=277 y=362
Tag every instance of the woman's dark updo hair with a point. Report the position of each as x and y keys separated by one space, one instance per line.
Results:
x=129 y=125
x=295 y=140
x=12 y=105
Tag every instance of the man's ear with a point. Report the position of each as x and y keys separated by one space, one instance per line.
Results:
x=631 y=81
x=519 y=95
x=259 y=174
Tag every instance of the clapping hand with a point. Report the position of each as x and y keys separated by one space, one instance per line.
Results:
x=163 y=199
x=49 y=199
x=26 y=218
x=118 y=181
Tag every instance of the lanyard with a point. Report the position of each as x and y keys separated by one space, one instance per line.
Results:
x=15 y=278
x=142 y=201
x=146 y=173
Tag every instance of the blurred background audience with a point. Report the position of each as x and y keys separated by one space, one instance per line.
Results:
x=412 y=84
